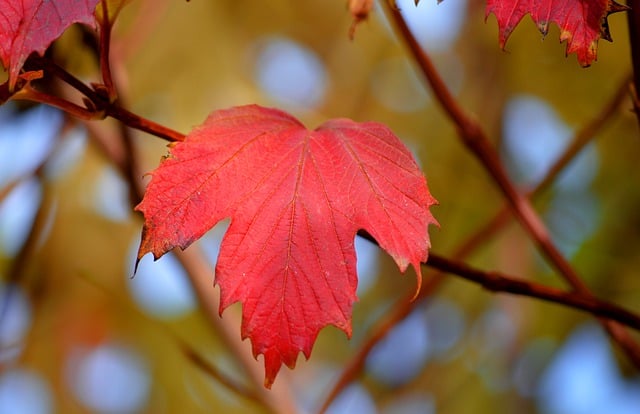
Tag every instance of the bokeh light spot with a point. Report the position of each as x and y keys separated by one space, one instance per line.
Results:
x=15 y=320
x=110 y=378
x=24 y=392
x=17 y=213
x=160 y=288
x=394 y=367
x=290 y=72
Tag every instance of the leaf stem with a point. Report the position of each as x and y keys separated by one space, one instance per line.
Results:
x=105 y=47
x=146 y=125
x=29 y=94
x=112 y=109
x=54 y=69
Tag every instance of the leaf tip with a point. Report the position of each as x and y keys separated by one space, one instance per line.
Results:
x=614 y=7
x=543 y=27
x=135 y=266
x=141 y=253
x=268 y=382
x=272 y=364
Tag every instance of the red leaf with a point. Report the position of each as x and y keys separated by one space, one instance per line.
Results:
x=296 y=199
x=28 y=26
x=582 y=22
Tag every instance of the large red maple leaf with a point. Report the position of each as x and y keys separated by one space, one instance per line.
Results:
x=28 y=26
x=582 y=22
x=296 y=199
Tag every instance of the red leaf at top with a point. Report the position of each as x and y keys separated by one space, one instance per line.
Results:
x=28 y=26
x=582 y=22
x=296 y=199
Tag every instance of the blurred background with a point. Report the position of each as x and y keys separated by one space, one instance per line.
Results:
x=79 y=334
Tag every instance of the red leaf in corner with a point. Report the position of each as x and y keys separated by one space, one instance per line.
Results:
x=28 y=26
x=296 y=199
x=582 y=22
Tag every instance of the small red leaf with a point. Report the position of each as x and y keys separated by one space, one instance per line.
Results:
x=28 y=26
x=296 y=199
x=359 y=10
x=582 y=22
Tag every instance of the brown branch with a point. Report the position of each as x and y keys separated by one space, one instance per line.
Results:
x=613 y=317
x=99 y=101
x=278 y=400
x=580 y=139
x=492 y=281
x=477 y=142
x=497 y=282
x=492 y=227
x=474 y=138
x=633 y=20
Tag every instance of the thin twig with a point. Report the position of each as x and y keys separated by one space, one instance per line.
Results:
x=279 y=399
x=497 y=282
x=405 y=306
x=474 y=138
x=477 y=142
x=185 y=347
x=52 y=68
x=356 y=364
x=585 y=134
